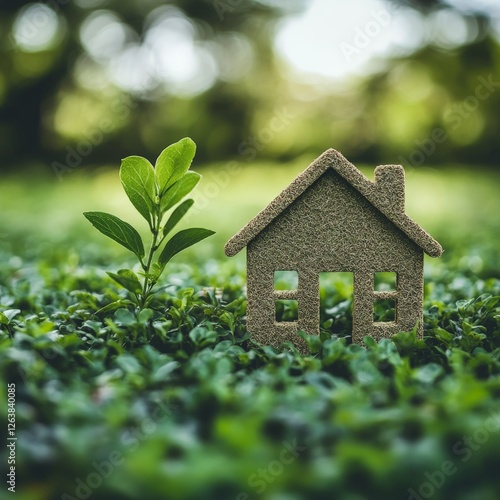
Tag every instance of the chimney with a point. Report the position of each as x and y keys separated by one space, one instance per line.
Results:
x=390 y=186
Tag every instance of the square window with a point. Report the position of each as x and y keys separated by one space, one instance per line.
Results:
x=384 y=310
x=286 y=310
x=286 y=280
x=385 y=282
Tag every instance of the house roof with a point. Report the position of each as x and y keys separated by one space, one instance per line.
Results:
x=377 y=193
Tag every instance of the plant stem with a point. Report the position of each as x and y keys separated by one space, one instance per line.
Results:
x=146 y=287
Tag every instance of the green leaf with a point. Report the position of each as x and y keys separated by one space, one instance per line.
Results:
x=428 y=373
x=3 y=319
x=443 y=335
x=125 y=317
x=182 y=240
x=177 y=215
x=154 y=272
x=164 y=371
x=112 y=306
x=145 y=315
x=178 y=190
x=128 y=363
x=10 y=314
x=370 y=342
x=118 y=230
x=173 y=162
x=202 y=336
x=138 y=180
x=127 y=279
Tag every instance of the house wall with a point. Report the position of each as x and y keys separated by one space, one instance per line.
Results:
x=331 y=228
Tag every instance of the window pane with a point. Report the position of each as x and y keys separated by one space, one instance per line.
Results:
x=286 y=310
x=286 y=280
x=384 y=310
x=385 y=282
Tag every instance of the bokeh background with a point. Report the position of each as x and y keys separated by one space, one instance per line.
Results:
x=263 y=87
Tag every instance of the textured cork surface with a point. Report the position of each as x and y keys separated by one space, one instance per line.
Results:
x=331 y=218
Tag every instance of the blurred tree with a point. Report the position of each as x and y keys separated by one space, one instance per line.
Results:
x=87 y=81
x=437 y=104
x=75 y=73
x=440 y=104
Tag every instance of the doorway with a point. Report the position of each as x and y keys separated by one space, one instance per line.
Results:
x=335 y=298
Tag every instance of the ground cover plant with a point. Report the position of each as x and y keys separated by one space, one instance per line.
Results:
x=175 y=400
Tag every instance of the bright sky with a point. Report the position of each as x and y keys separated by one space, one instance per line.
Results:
x=335 y=38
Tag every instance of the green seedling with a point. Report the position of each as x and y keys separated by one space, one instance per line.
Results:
x=154 y=192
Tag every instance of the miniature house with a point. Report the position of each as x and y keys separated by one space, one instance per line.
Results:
x=331 y=218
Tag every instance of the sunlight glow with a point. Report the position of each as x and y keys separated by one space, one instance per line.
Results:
x=103 y=35
x=336 y=40
x=36 y=28
x=490 y=7
x=183 y=63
